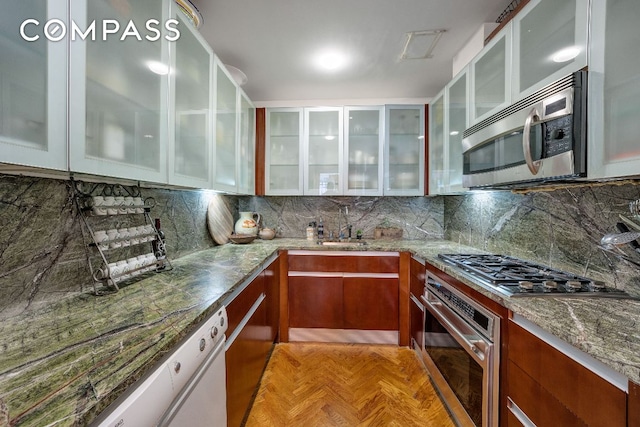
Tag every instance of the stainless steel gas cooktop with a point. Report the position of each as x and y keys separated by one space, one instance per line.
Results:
x=516 y=277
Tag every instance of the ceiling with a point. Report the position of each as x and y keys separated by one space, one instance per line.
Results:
x=274 y=42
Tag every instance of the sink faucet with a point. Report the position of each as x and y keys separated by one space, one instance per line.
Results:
x=346 y=222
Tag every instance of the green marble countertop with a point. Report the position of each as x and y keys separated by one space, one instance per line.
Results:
x=63 y=363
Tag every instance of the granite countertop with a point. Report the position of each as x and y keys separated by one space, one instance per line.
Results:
x=63 y=363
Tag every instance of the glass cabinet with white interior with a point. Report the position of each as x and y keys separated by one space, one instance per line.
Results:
x=226 y=111
x=549 y=42
x=614 y=90
x=491 y=76
x=33 y=86
x=404 y=150
x=120 y=91
x=192 y=75
x=449 y=119
x=246 y=145
x=323 y=151
x=283 y=151
x=364 y=150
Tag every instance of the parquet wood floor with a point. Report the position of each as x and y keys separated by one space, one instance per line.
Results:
x=347 y=385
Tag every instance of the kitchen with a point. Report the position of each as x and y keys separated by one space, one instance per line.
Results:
x=50 y=314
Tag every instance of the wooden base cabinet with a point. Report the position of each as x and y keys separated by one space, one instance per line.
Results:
x=253 y=326
x=315 y=302
x=550 y=388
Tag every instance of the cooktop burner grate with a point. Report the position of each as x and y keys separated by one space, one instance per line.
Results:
x=517 y=277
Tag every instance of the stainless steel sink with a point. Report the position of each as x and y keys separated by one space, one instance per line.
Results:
x=343 y=243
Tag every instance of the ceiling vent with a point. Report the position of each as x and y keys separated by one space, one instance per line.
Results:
x=420 y=44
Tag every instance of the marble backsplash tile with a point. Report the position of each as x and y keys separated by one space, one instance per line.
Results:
x=419 y=217
x=42 y=251
x=560 y=228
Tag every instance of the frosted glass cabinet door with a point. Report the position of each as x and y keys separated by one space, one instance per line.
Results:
x=437 y=144
x=491 y=77
x=549 y=42
x=119 y=92
x=323 y=151
x=246 y=150
x=404 y=150
x=614 y=90
x=191 y=162
x=283 y=171
x=33 y=87
x=457 y=122
x=225 y=156
x=363 y=150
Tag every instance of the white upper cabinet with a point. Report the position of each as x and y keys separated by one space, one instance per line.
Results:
x=491 y=77
x=323 y=151
x=549 y=42
x=227 y=109
x=119 y=96
x=437 y=144
x=246 y=145
x=283 y=151
x=364 y=136
x=33 y=86
x=191 y=127
x=614 y=90
x=404 y=150
x=449 y=117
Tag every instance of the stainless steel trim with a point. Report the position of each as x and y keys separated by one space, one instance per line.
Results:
x=532 y=117
x=551 y=167
x=519 y=414
x=478 y=348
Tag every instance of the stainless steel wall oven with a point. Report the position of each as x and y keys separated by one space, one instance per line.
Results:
x=461 y=351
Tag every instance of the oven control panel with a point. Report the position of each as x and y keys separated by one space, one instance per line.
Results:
x=480 y=318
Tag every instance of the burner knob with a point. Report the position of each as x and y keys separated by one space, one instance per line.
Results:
x=525 y=285
x=574 y=285
x=550 y=284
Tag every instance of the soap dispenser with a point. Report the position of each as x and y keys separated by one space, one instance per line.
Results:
x=320 y=230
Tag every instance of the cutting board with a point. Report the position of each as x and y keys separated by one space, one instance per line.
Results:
x=219 y=219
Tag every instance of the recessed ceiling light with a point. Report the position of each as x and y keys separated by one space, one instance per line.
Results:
x=158 y=67
x=565 y=55
x=331 y=60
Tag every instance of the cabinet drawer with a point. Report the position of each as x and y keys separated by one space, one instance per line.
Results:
x=418 y=273
x=239 y=307
x=538 y=404
x=346 y=262
x=565 y=379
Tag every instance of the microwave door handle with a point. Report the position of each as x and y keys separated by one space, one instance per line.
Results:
x=533 y=166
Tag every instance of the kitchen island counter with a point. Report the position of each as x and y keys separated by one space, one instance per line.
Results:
x=64 y=362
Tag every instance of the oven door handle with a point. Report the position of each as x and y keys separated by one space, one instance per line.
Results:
x=443 y=314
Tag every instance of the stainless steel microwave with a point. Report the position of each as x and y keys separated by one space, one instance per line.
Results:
x=539 y=139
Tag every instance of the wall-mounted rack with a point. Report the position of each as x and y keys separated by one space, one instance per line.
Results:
x=123 y=243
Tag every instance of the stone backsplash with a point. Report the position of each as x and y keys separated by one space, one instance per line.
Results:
x=42 y=251
x=560 y=228
x=419 y=217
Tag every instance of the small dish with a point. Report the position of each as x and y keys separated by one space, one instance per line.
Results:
x=242 y=239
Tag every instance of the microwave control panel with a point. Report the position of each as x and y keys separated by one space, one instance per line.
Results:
x=558 y=136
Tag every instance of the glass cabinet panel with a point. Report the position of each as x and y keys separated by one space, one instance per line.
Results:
x=33 y=87
x=457 y=122
x=404 y=151
x=614 y=90
x=364 y=150
x=491 y=76
x=323 y=149
x=192 y=91
x=437 y=145
x=550 y=42
x=246 y=150
x=225 y=148
x=283 y=171
x=119 y=95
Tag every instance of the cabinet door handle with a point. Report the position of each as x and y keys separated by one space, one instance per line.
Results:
x=519 y=413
